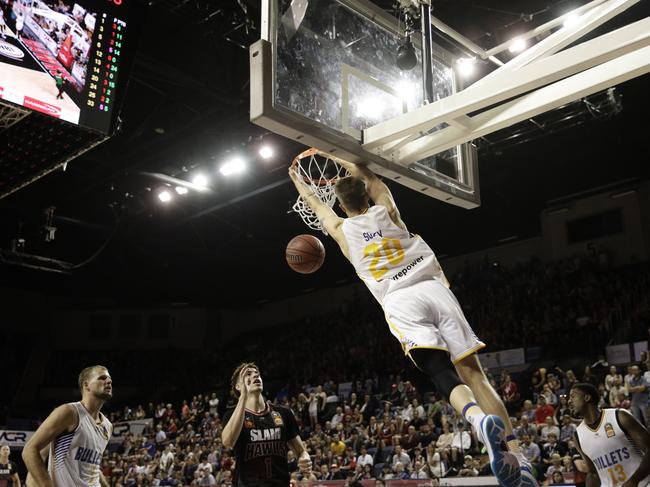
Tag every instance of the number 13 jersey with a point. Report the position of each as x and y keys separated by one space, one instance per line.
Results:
x=385 y=256
x=610 y=449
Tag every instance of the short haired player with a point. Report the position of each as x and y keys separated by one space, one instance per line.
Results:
x=261 y=434
x=403 y=274
x=75 y=435
x=613 y=444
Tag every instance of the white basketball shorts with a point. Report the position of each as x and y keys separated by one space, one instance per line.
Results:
x=426 y=314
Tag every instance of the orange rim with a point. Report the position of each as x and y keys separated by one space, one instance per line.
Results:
x=308 y=153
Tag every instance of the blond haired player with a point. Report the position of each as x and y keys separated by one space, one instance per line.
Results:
x=613 y=444
x=76 y=435
x=403 y=274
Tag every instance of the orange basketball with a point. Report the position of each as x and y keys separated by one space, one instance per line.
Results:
x=305 y=254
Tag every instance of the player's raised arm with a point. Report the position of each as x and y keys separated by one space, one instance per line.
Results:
x=331 y=221
x=62 y=419
x=378 y=192
x=233 y=427
x=641 y=438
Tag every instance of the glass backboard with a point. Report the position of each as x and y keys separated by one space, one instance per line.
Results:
x=325 y=70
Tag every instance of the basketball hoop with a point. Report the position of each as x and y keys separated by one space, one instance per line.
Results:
x=320 y=171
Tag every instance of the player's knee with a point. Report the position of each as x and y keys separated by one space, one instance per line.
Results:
x=437 y=365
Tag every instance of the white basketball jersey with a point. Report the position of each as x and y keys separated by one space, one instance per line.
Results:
x=385 y=256
x=611 y=451
x=75 y=457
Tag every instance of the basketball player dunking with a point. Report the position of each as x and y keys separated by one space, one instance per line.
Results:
x=403 y=274
x=261 y=434
x=613 y=444
x=76 y=435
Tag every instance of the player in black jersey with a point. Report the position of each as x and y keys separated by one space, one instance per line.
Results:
x=261 y=434
x=8 y=473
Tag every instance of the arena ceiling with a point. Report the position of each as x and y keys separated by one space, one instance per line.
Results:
x=186 y=109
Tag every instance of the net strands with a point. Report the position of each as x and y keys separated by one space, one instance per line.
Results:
x=320 y=171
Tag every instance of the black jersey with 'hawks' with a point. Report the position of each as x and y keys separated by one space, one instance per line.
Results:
x=261 y=449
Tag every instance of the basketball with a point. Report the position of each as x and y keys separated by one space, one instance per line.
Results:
x=305 y=254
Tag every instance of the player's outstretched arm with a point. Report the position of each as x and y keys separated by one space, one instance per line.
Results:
x=593 y=480
x=62 y=419
x=331 y=221
x=641 y=438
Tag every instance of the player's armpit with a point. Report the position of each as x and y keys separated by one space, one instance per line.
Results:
x=62 y=419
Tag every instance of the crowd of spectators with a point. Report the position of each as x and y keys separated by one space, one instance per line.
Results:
x=355 y=431
x=363 y=411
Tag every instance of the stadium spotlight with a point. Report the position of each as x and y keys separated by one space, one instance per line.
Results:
x=266 y=152
x=200 y=181
x=518 y=45
x=466 y=66
x=165 y=196
x=181 y=190
x=233 y=166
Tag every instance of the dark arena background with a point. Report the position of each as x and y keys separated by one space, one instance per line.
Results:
x=143 y=226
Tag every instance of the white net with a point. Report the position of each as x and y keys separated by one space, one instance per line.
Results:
x=320 y=171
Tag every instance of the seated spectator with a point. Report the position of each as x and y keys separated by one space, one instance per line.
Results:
x=557 y=478
x=529 y=411
x=336 y=473
x=554 y=465
x=411 y=439
x=364 y=458
x=526 y=429
x=543 y=411
x=400 y=472
x=548 y=428
x=443 y=445
x=510 y=393
x=550 y=447
x=549 y=395
x=568 y=430
x=460 y=443
x=400 y=457
x=420 y=470
x=468 y=469
x=612 y=377
x=615 y=389
x=531 y=451
x=337 y=446
x=562 y=409
x=426 y=435
x=622 y=401
x=434 y=460
x=161 y=436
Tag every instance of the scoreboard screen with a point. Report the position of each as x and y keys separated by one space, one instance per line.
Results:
x=68 y=59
